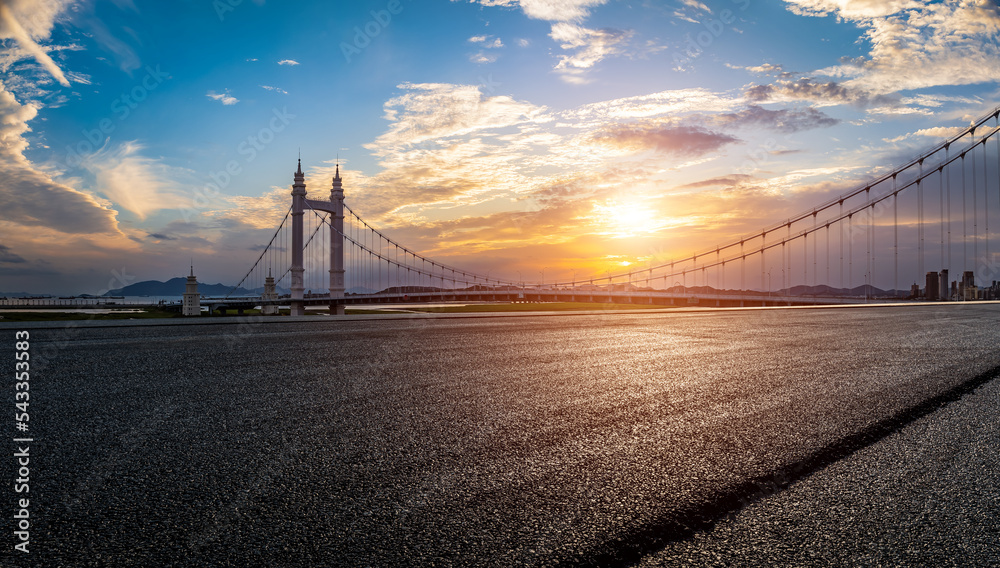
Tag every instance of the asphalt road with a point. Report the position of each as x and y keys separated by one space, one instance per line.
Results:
x=860 y=436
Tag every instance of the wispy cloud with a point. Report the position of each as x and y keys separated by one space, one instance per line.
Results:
x=482 y=57
x=822 y=93
x=135 y=182
x=436 y=110
x=551 y=10
x=587 y=48
x=488 y=42
x=696 y=5
x=67 y=210
x=274 y=89
x=685 y=141
x=915 y=45
x=225 y=98
x=781 y=120
x=288 y=62
x=126 y=57
x=27 y=22
x=7 y=256
x=933 y=132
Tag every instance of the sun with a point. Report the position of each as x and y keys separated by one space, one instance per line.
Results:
x=626 y=219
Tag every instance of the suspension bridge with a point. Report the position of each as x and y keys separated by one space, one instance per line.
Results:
x=921 y=231
x=933 y=211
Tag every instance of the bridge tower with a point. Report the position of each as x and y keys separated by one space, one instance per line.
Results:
x=298 y=207
x=335 y=206
x=337 y=245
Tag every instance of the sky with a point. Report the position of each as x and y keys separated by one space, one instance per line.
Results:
x=510 y=136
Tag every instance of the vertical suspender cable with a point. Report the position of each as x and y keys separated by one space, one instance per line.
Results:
x=895 y=235
x=965 y=224
x=975 y=204
x=920 y=223
x=841 y=231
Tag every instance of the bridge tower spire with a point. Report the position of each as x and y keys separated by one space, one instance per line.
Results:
x=298 y=207
x=337 y=245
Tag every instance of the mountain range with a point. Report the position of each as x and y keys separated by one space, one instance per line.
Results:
x=176 y=286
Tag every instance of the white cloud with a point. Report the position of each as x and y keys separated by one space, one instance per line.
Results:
x=28 y=22
x=933 y=132
x=850 y=9
x=430 y=111
x=24 y=186
x=915 y=45
x=274 y=89
x=551 y=10
x=136 y=183
x=288 y=62
x=224 y=98
x=487 y=42
x=696 y=5
x=654 y=104
x=482 y=57
x=588 y=47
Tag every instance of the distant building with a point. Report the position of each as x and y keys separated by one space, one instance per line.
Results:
x=192 y=300
x=954 y=288
x=969 y=285
x=915 y=291
x=931 y=289
x=943 y=284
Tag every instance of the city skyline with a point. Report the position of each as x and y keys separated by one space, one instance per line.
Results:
x=575 y=136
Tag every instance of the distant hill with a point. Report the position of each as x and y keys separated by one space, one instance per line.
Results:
x=176 y=286
x=359 y=290
x=24 y=295
x=821 y=291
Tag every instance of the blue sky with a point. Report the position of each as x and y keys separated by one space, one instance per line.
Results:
x=500 y=134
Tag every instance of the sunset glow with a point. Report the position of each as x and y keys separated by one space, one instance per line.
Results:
x=501 y=135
